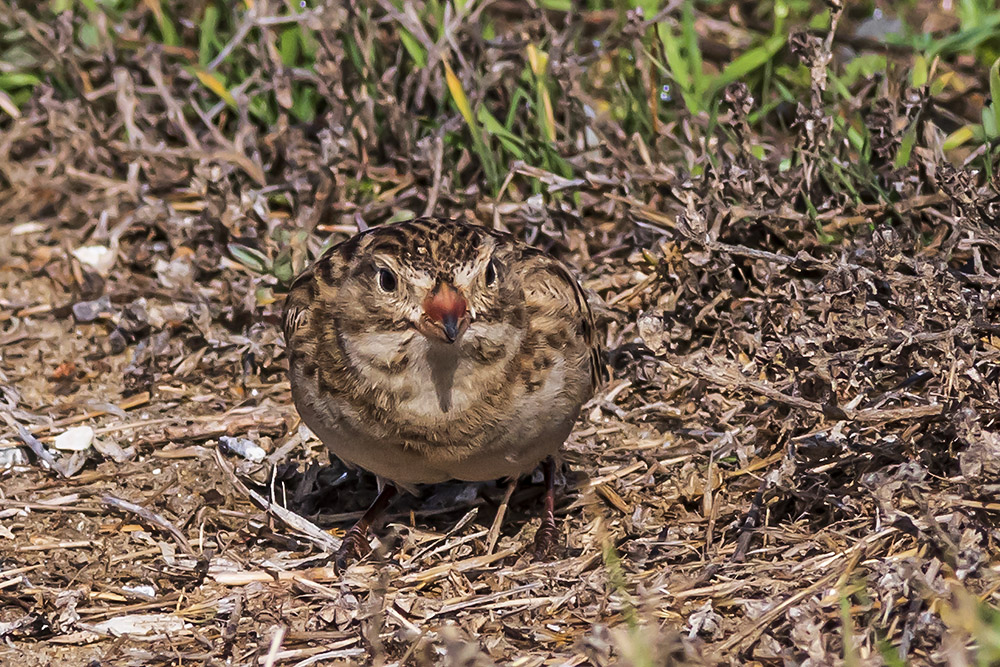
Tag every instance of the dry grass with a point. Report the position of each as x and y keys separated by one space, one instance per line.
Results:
x=795 y=462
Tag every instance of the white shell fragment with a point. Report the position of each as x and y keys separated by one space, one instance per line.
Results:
x=139 y=624
x=99 y=257
x=141 y=590
x=112 y=450
x=27 y=228
x=75 y=439
x=12 y=456
x=248 y=449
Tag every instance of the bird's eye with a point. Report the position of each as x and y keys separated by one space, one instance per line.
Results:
x=491 y=274
x=386 y=281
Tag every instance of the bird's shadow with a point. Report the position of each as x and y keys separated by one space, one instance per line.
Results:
x=335 y=496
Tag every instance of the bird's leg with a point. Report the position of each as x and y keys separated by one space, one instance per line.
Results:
x=355 y=542
x=547 y=531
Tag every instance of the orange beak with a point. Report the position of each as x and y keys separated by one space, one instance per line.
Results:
x=445 y=314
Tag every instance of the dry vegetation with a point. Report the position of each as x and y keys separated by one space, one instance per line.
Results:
x=789 y=234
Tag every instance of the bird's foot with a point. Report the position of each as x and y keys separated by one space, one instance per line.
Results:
x=546 y=535
x=355 y=544
x=545 y=538
x=352 y=548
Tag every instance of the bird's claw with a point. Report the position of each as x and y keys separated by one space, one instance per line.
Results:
x=545 y=538
x=353 y=548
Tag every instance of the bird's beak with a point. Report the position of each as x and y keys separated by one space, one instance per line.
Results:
x=445 y=314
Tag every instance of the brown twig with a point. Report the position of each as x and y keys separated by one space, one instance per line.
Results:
x=438 y=169
x=149 y=517
x=749 y=523
x=725 y=378
x=231 y=426
x=494 y=534
x=229 y=631
x=301 y=525
x=39 y=449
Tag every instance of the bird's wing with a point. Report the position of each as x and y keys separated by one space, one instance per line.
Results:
x=298 y=308
x=552 y=296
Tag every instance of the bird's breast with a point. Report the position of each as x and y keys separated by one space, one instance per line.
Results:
x=426 y=381
x=417 y=411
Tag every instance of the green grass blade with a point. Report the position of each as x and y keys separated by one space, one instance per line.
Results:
x=851 y=655
x=539 y=60
x=413 y=47
x=479 y=146
x=890 y=654
x=207 y=35
x=958 y=137
x=249 y=257
x=749 y=61
x=511 y=142
x=288 y=46
x=11 y=80
x=995 y=96
x=966 y=40
x=163 y=22
x=989 y=123
x=920 y=73
x=675 y=62
x=304 y=104
x=213 y=83
x=520 y=95
x=700 y=82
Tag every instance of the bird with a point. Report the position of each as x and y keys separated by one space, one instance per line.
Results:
x=438 y=349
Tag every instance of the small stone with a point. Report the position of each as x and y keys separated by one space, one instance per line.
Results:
x=88 y=311
x=134 y=318
x=116 y=342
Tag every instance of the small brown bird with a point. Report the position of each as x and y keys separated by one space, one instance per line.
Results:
x=433 y=349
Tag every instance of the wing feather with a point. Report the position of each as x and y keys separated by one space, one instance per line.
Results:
x=296 y=316
x=549 y=287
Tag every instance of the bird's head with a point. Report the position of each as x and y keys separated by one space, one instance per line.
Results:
x=437 y=277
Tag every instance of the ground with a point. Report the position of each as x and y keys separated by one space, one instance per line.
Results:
x=787 y=233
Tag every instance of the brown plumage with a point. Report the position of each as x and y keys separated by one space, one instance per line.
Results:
x=436 y=349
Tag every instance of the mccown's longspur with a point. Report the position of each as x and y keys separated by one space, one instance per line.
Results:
x=434 y=349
